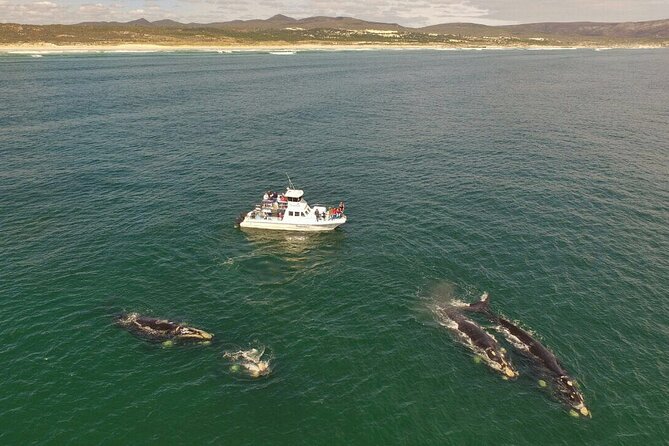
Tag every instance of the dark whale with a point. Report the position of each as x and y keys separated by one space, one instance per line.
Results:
x=479 y=340
x=161 y=329
x=565 y=386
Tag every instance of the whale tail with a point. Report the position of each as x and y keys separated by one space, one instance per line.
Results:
x=482 y=306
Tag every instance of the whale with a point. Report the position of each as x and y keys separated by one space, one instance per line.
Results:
x=564 y=385
x=478 y=340
x=161 y=329
x=250 y=361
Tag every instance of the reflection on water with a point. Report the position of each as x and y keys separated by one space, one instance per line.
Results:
x=293 y=246
x=272 y=258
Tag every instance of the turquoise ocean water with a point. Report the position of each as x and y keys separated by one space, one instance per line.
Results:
x=539 y=176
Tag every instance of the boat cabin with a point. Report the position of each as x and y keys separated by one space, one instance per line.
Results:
x=294 y=195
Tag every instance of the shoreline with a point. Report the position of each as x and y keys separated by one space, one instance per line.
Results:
x=47 y=48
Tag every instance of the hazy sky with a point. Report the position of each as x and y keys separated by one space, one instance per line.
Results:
x=404 y=12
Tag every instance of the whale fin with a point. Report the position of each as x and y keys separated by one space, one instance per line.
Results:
x=482 y=306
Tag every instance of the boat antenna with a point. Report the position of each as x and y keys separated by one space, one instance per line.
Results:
x=290 y=183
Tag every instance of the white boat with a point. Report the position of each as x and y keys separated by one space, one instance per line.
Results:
x=283 y=53
x=290 y=212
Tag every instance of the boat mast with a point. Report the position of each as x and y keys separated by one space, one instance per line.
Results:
x=290 y=183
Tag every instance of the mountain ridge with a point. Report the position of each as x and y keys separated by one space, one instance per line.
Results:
x=641 y=29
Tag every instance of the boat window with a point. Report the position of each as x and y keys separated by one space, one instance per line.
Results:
x=302 y=214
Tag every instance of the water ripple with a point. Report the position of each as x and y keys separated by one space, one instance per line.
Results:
x=122 y=176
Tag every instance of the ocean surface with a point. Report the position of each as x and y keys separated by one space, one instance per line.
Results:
x=541 y=177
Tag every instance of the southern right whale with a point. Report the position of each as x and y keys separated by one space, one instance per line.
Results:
x=477 y=339
x=250 y=360
x=161 y=329
x=566 y=387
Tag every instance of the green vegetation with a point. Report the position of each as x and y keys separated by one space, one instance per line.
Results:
x=220 y=34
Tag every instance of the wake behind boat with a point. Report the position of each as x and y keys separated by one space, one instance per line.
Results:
x=290 y=212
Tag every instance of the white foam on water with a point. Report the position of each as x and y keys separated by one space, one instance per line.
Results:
x=512 y=339
x=35 y=52
x=251 y=361
x=137 y=51
x=551 y=48
x=448 y=323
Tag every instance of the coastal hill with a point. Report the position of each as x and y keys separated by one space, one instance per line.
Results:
x=656 y=29
x=648 y=29
x=281 y=29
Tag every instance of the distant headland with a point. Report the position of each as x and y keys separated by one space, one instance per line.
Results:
x=331 y=32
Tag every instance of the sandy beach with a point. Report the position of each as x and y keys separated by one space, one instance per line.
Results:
x=47 y=48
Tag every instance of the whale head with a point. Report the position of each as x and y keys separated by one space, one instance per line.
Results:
x=501 y=362
x=125 y=319
x=193 y=334
x=569 y=392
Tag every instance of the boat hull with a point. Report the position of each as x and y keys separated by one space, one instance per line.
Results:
x=295 y=227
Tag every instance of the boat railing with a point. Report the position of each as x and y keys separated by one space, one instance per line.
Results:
x=269 y=204
x=329 y=216
x=265 y=216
